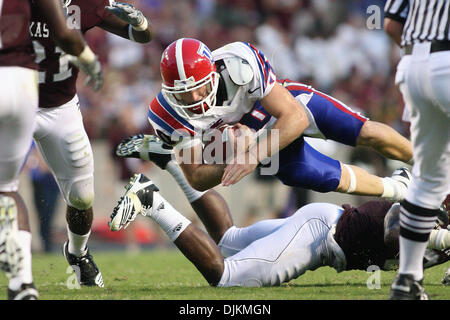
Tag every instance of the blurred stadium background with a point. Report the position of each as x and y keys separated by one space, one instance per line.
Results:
x=325 y=43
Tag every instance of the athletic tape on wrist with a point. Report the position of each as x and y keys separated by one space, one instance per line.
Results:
x=86 y=56
x=352 y=185
x=130 y=33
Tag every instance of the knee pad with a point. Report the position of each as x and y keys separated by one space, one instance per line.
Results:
x=81 y=193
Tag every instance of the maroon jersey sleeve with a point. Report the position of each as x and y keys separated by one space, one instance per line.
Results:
x=360 y=234
x=15 y=42
x=57 y=77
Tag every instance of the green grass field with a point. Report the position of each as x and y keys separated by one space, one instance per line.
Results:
x=167 y=275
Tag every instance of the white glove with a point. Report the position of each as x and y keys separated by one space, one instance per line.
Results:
x=129 y=14
x=88 y=63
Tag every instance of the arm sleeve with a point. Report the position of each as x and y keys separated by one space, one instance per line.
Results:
x=264 y=75
x=182 y=139
x=100 y=9
x=397 y=10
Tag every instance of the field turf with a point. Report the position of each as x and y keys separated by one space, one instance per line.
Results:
x=168 y=275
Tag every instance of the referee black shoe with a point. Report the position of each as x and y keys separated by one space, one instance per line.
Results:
x=86 y=270
x=405 y=287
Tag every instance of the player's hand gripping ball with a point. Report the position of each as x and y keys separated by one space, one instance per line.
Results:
x=223 y=143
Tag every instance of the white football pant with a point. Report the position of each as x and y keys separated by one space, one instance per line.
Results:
x=63 y=143
x=300 y=244
x=18 y=104
x=424 y=81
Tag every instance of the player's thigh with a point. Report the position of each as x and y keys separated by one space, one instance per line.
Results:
x=295 y=247
x=430 y=134
x=63 y=142
x=303 y=166
x=440 y=80
x=332 y=119
x=18 y=104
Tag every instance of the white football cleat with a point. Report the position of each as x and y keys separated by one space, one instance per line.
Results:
x=10 y=250
x=146 y=147
x=138 y=199
x=403 y=176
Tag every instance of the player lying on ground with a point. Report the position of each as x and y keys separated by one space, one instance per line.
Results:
x=319 y=234
x=235 y=83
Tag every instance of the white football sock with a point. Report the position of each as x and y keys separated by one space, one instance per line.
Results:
x=169 y=219
x=25 y=275
x=393 y=190
x=235 y=239
x=411 y=257
x=77 y=243
x=177 y=173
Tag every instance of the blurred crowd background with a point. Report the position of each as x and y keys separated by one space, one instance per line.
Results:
x=328 y=44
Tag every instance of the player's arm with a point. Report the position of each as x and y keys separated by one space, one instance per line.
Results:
x=394 y=29
x=291 y=118
x=127 y=22
x=395 y=13
x=290 y=124
x=71 y=41
x=200 y=176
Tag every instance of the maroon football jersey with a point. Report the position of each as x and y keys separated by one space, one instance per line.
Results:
x=15 y=42
x=57 y=77
x=360 y=234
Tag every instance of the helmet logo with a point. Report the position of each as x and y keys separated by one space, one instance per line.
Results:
x=204 y=51
x=184 y=82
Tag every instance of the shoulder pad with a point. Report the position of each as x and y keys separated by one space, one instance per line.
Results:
x=239 y=70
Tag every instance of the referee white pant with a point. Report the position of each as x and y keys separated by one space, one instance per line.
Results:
x=424 y=80
x=302 y=243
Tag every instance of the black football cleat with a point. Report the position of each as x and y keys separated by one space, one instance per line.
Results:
x=86 y=270
x=433 y=257
x=405 y=287
x=27 y=291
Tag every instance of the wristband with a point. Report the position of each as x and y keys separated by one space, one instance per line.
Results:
x=142 y=26
x=86 y=56
x=130 y=33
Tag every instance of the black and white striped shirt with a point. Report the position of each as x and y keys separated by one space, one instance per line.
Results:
x=424 y=20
